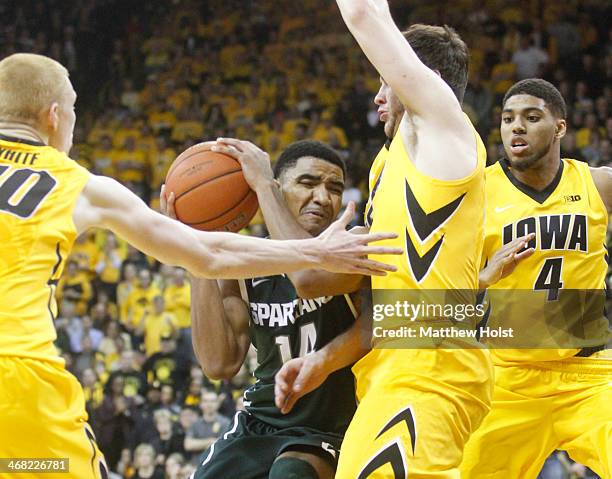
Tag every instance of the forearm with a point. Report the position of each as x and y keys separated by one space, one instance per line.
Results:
x=232 y=256
x=280 y=222
x=347 y=348
x=107 y=204
x=215 y=342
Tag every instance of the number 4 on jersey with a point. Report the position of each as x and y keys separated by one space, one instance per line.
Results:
x=549 y=278
x=308 y=340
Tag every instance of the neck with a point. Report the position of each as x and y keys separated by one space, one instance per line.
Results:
x=23 y=130
x=540 y=175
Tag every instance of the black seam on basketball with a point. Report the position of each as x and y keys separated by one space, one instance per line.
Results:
x=208 y=180
x=225 y=212
x=175 y=164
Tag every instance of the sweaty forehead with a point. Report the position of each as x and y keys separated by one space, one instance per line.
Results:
x=310 y=165
x=524 y=102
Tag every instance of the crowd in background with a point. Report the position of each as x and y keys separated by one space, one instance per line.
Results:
x=153 y=78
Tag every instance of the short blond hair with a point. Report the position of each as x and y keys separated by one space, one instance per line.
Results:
x=29 y=84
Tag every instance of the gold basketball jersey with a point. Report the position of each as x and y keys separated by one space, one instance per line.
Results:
x=39 y=187
x=439 y=223
x=570 y=221
x=376 y=171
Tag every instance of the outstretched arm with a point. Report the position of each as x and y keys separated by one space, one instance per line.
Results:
x=310 y=283
x=420 y=89
x=106 y=203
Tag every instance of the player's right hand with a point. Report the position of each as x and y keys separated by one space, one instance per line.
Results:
x=297 y=378
x=345 y=252
x=504 y=261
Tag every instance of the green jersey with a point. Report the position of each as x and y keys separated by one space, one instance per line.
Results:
x=284 y=326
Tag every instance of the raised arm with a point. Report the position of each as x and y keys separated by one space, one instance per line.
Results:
x=309 y=283
x=220 y=327
x=433 y=108
x=420 y=89
x=602 y=177
x=106 y=203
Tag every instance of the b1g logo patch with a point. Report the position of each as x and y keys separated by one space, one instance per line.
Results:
x=572 y=198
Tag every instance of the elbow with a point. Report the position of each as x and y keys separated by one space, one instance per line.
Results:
x=355 y=11
x=219 y=372
x=206 y=265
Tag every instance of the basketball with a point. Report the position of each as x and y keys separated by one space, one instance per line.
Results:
x=210 y=191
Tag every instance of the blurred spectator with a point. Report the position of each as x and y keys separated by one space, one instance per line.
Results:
x=177 y=297
x=168 y=439
x=92 y=389
x=174 y=463
x=125 y=287
x=134 y=382
x=75 y=286
x=209 y=427
x=529 y=59
x=193 y=393
x=81 y=329
x=139 y=300
x=112 y=422
x=104 y=157
x=168 y=401
x=156 y=323
x=168 y=366
x=478 y=101
x=144 y=463
x=108 y=266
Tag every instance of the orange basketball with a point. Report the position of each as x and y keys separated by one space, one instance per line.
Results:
x=210 y=191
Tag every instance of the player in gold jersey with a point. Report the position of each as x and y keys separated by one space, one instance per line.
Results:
x=46 y=200
x=557 y=396
x=417 y=408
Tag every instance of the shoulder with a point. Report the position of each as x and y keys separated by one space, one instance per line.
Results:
x=602 y=178
x=602 y=174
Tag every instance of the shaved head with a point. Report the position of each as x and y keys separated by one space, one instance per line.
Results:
x=29 y=85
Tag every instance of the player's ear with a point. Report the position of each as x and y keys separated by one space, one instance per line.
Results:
x=51 y=117
x=560 y=128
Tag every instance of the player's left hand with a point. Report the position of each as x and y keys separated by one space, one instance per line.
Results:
x=504 y=261
x=254 y=161
x=297 y=378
